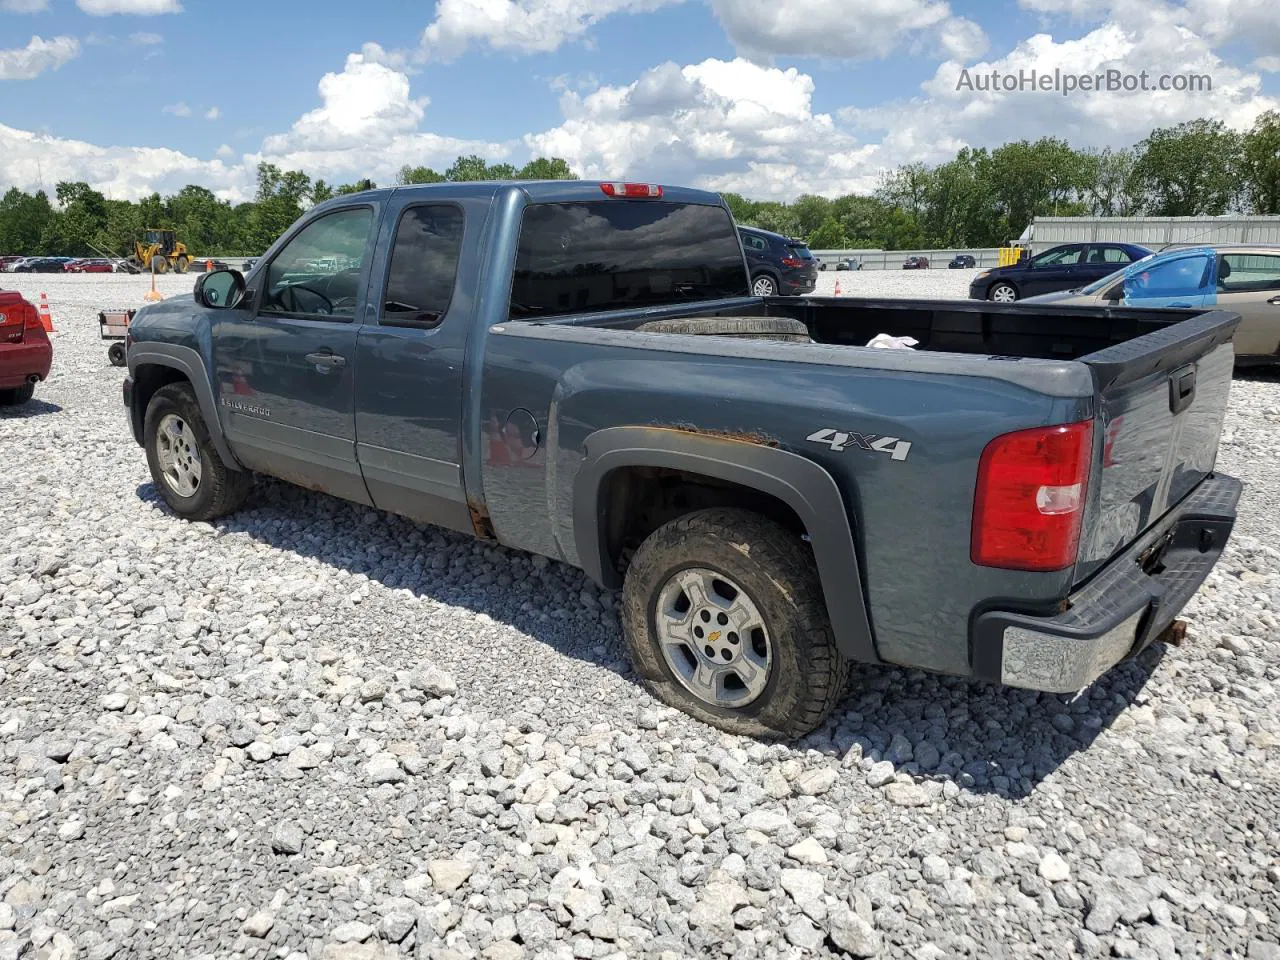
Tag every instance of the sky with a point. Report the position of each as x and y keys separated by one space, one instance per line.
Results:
x=768 y=98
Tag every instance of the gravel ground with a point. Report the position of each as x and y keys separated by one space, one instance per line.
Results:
x=313 y=730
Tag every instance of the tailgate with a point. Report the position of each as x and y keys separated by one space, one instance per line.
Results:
x=1162 y=400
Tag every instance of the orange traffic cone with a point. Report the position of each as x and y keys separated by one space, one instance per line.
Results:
x=837 y=293
x=46 y=318
x=153 y=294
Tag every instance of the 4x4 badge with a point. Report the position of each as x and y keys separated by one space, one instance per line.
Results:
x=872 y=442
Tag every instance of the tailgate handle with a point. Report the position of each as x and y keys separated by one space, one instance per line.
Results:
x=1182 y=389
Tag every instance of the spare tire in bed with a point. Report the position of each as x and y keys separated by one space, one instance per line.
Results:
x=752 y=328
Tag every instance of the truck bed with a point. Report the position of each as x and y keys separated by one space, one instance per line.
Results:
x=1044 y=332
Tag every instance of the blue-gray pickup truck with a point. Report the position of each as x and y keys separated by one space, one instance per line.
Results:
x=1025 y=496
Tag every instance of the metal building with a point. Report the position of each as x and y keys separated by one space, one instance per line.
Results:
x=1153 y=232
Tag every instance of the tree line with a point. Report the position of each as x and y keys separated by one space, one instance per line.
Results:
x=981 y=198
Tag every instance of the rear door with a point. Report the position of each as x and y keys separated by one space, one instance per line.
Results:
x=286 y=365
x=1100 y=260
x=1249 y=284
x=411 y=359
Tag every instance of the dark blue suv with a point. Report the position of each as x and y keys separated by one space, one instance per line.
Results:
x=778 y=264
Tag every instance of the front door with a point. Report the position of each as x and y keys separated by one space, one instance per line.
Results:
x=286 y=365
x=1249 y=284
x=1051 y=271
x=1179 y=282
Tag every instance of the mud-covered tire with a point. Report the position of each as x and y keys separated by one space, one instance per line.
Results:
x=159 y=264
x=17 y=395
x=750 y=328
x=182 y=264
x=220 y=490
x=807 y=675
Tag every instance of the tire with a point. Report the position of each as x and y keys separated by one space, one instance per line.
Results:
x=116 y=354
x=182 y=265
x=217 y=490
x=805 y=675
x=764 y=286
x=17 y=395
x=159 y=264
x=750 y=328
x=1003 y=293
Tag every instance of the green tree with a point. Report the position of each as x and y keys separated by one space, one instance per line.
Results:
x=1261 y=164
x=829 y=236
x=546 y=168
x=1191 y=170
x=23 y=220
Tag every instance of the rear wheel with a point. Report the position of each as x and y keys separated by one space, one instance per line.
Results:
x=185 y=467
x=1003 y=293
x=763 y=286
x=11 y=398
x=182 y=264
x=725 y=620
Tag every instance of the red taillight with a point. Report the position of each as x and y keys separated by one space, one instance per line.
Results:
x=1030 y=498
x=632 y=189
x=792 y=262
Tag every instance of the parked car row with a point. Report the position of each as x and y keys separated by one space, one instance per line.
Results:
x=11 y=264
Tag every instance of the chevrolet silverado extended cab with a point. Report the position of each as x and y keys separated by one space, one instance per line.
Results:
x=578 y=369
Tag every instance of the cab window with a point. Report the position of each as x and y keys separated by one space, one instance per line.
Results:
x=318 y=272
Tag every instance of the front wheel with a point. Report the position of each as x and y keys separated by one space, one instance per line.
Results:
x=159 y=264
x=763 y=287
x=1003 y=293
x=182 y=264
x=186 y=469
x=725 y=620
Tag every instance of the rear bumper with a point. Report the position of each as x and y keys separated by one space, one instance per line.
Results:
x=797 y=286
x=20 y=361
x=1121 y=610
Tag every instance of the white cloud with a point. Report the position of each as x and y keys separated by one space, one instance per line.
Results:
x=931 y=127
x=871 y=29
x=722 y=124
x=141 y=8
x=24 y=6
x=29 y=160
x=520 y=26
x=26 y=63
x=213 y=113
x=225 y=151
x=1269 y=64
x=145 y=39
x=177 y=109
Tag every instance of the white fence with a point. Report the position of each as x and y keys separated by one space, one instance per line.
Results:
x=1154 y=232
x=893 y=259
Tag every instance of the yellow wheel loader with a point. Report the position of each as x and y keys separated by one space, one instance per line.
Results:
x=158 y=251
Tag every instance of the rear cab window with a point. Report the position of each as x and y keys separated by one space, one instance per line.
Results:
x=424 y=266
x=595 y=255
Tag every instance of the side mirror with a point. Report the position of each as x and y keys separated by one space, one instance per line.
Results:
x=219 y=289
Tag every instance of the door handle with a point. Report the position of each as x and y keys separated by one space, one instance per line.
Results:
x=326 y=359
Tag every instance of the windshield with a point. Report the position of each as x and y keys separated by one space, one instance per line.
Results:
x=1099 y=285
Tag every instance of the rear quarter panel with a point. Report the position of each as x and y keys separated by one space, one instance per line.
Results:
x=912 y=516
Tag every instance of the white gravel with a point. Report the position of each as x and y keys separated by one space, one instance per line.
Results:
x=313 y=730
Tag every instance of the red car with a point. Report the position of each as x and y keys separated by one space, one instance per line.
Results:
x=25 y=351
x=89 y=266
